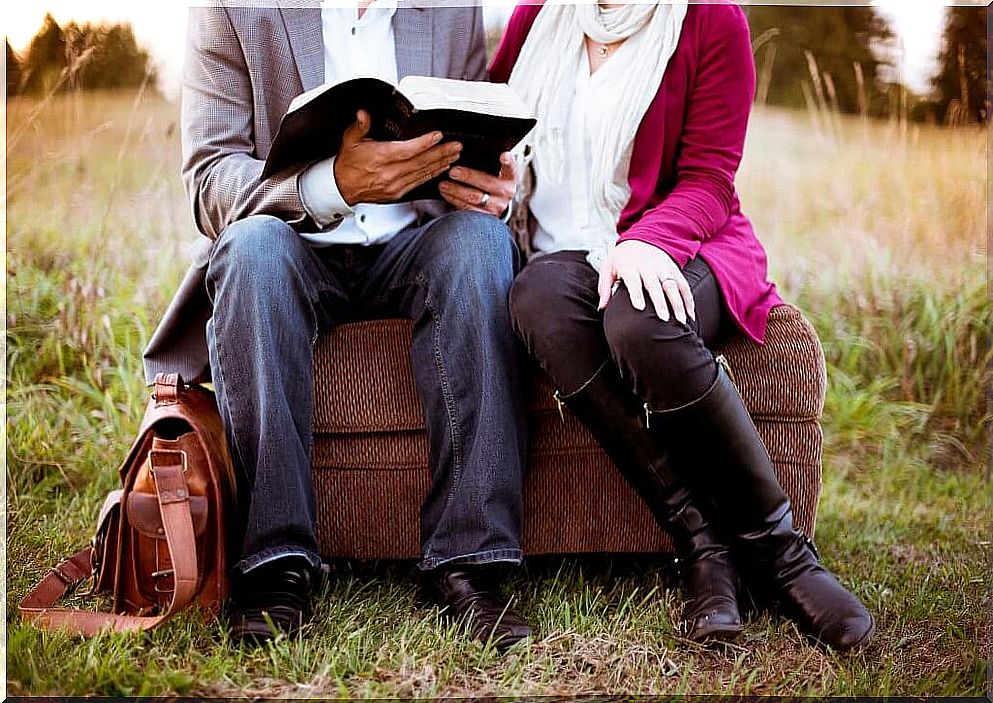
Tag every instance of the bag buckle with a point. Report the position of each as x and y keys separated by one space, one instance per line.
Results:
x=72 y=585
x=168 y=387
x=161 y=574
x=57 y=570
x=154 y=452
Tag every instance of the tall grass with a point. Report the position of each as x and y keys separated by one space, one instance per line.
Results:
x=877 y=232
x=880 y=236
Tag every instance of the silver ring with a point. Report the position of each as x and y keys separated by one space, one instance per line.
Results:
x=484 y=200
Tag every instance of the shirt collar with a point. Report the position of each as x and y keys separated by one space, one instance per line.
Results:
x=380 y=8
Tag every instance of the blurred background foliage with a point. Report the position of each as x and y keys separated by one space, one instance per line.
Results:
x=79 y=57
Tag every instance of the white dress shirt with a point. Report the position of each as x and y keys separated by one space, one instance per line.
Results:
x=353 y=47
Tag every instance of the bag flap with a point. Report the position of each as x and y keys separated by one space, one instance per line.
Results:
x=144 y=514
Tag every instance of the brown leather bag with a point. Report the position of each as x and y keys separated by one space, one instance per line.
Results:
x=162 y=538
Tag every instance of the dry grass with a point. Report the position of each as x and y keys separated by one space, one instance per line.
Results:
x=872 y=201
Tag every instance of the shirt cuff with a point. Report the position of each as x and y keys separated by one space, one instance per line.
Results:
x=320 y=195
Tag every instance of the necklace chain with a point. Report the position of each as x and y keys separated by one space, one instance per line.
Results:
x=602 y=50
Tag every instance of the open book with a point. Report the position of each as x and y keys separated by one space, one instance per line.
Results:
x=487 y=118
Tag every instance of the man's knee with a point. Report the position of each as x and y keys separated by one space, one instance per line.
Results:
x=255 y=245
x=477 y=246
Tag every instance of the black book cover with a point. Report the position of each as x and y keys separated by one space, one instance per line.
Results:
x=312 y=129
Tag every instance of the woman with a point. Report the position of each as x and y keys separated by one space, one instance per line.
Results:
x=643 y=260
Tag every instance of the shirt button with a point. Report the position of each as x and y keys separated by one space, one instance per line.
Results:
x=361 y=218
x=353 y=31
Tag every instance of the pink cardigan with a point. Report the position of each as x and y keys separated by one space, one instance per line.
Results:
x=686 y=153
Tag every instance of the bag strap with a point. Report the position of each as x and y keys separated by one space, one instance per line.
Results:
x=168 y=388
x=174 y=504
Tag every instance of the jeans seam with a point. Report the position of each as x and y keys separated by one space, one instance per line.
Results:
x=227 y=405
x=446 y=395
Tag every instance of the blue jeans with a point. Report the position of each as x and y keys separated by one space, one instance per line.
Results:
x=273 y=294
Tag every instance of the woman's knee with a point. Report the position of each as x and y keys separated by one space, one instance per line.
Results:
x=526 y=299
x=559 y=327
x=541 y=298
x=659 y=353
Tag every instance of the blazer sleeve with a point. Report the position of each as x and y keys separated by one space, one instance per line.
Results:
x=711 y=144
x=220 y=167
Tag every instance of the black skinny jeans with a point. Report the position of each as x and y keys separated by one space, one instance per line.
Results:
x=553 y=305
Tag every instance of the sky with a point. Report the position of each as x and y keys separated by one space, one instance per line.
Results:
x=161 y=27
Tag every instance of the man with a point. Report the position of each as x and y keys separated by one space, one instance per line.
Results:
x=303 y=251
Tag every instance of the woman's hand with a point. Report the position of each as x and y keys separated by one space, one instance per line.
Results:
x=469 y=189
x=640 y=265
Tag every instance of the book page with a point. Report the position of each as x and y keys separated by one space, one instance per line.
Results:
x=428 y=93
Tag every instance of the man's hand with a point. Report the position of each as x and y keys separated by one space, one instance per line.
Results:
x=368 y=171
x=470 y=189
x=641 y=265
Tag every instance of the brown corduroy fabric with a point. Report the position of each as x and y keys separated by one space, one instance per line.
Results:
x=370 y=458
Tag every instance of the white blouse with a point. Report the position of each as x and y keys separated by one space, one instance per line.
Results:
x=560 y=203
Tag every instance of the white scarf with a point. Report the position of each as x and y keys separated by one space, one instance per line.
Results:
x=554 y=48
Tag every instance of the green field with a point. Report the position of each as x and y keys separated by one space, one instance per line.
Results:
x=877 y=230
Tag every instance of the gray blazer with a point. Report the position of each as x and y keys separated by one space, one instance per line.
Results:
x=243 y=67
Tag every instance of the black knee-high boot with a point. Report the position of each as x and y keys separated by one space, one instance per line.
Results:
x=731 y=458
x=708 y=580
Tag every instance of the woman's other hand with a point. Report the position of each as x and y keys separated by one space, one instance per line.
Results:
x=644 y=267
x=470 y=189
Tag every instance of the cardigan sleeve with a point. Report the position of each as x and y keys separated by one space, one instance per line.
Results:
x=710 y=145
x=513 y=40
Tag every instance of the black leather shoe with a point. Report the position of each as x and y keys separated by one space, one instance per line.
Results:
x=472 y=595
x=708 y=580
x=755 y=512
x=271 y=600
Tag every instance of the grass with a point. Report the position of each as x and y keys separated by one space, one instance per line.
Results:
x=876 y=232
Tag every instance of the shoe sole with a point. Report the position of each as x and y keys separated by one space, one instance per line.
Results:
x=716 y=634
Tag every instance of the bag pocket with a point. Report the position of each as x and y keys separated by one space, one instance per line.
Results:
x=150 y=551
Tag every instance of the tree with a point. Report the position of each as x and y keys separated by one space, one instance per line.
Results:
x=961 y=83
x=13 y=72
x=45 y=59
x=108 y=56
x=831 y=55
x=85 y=57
